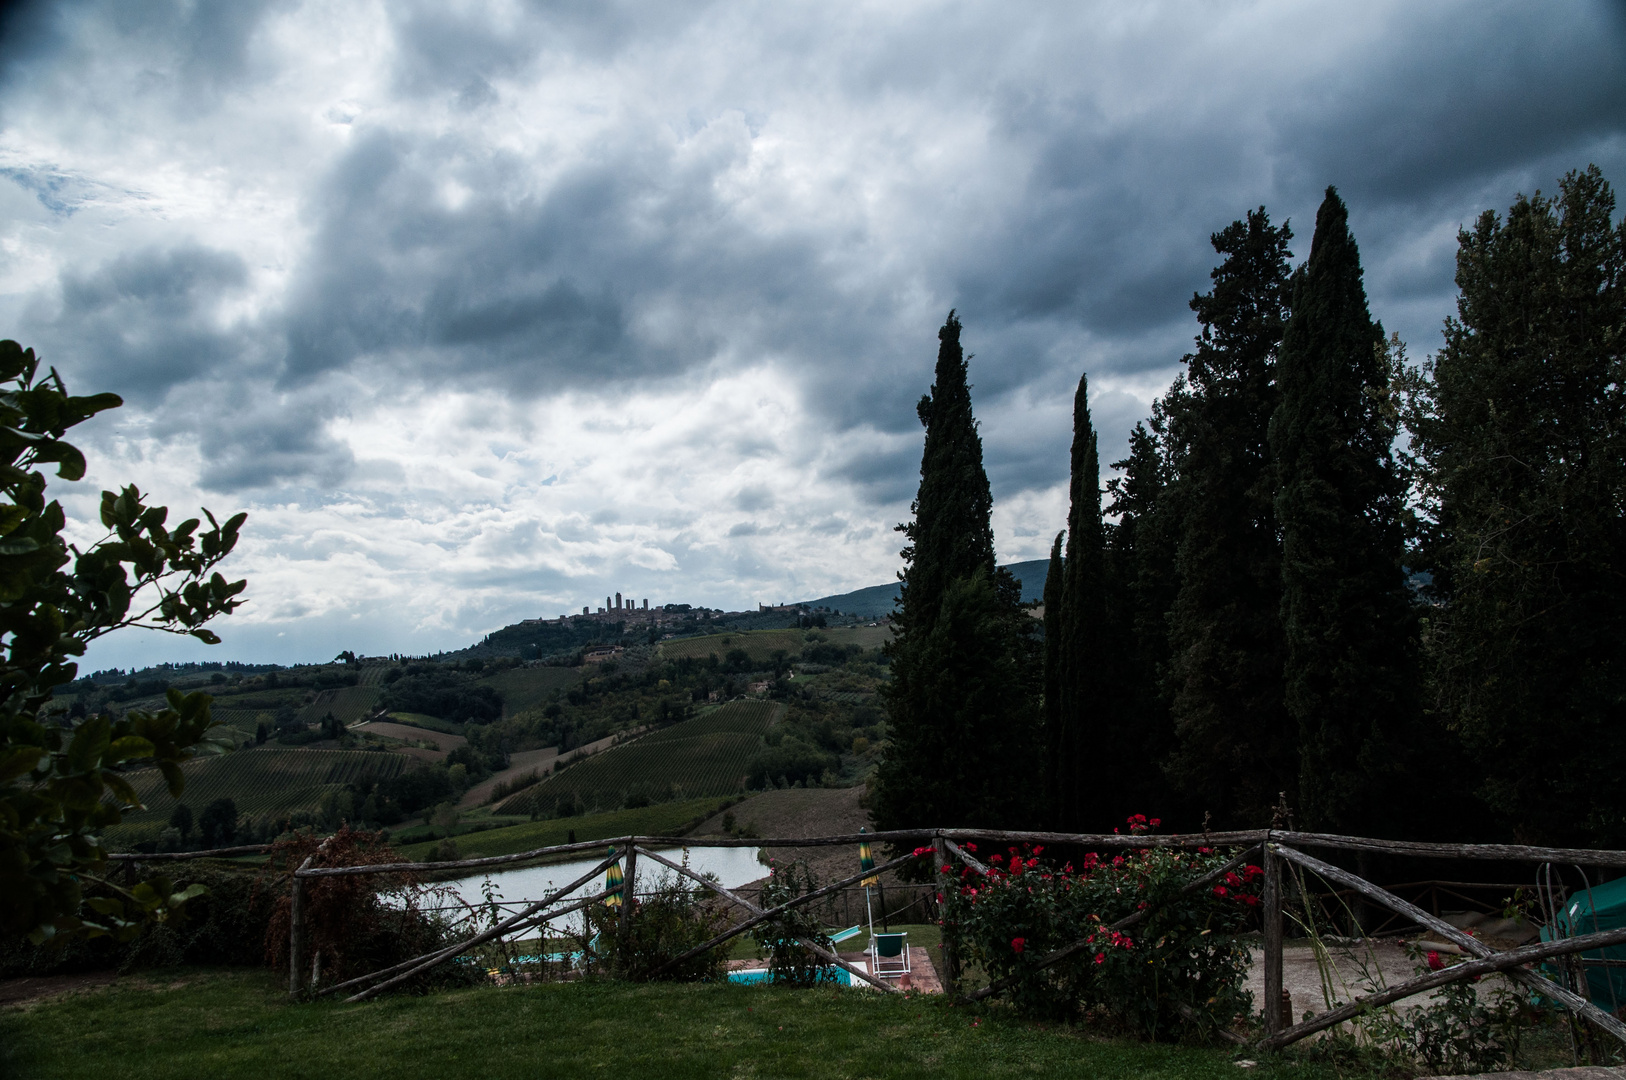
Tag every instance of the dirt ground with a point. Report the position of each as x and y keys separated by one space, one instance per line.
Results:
x=519 y=763
x=38 y=987
x=1353 y=970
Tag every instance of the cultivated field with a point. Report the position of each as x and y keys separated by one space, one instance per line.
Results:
x=347 y=703
x=761 y=644
x=702 y=757
x=758 y=644
x=661 y=819
x=263 y=782
x=243 y=720
x=441 y=739
x=428 y=723
x=528 y=688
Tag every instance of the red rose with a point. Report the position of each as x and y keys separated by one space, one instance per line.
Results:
x=1100 y=958
x=1434 y=961
x=1018 y=944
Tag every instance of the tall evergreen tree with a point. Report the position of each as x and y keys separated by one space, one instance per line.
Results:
x=1225 y=672
x=961 y=702
x=1085 y=675
x=952 y=533
x=1523 y=439
x=1141 y=586
x=1346 y=612
x=1052 y=680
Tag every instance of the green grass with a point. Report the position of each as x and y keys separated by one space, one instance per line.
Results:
x=189 y=1023
x=705 y=756
x=529 y=688
x=262 y=782
x=661 y=819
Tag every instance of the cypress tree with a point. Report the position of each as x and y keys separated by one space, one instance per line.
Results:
x=1052 y=680
x=1225 y=672
x=951 y=534
x=962 y=747
x=1085 y=677
x=1141 y=587
x=1347 y=615
x=1523 y=436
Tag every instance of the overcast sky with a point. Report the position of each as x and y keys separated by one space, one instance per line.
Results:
x=485 y=310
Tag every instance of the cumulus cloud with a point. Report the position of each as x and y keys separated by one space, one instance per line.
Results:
x=485 y=310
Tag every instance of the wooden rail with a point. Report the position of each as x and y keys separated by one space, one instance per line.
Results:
x=1505 y=961
x=812 y=946
x=1273 y=846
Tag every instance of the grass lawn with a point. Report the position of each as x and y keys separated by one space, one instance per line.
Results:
x=189 y=1023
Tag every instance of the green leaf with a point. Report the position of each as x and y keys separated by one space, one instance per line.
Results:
x=173 y=777
x=89 y=744
x=131 y=746
x=17 y=760
x=19 y=545
x=208 y=637
x=122 y=790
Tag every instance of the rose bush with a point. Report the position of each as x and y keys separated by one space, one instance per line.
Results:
x=1183 y=953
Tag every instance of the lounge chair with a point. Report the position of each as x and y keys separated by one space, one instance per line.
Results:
x=889 y=954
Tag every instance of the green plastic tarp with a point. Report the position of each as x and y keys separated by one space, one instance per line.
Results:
x=1602 y=907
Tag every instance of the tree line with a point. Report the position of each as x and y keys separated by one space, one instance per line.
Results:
x=1390 y=597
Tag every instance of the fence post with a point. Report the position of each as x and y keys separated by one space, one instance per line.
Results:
x=951 y=961
x=296 y=931
x=1273 y=937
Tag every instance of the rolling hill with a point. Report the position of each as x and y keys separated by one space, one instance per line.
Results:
x=706 y=756
x=878 y=600
x=266 y=782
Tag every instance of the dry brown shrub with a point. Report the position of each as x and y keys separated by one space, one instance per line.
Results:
x=346 y=923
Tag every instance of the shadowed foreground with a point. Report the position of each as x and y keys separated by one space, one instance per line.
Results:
x=190 y=1023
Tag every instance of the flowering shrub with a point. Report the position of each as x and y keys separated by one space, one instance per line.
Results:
x=1183 y=953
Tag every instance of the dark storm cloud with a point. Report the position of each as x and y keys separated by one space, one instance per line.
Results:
x=148 y=320
x=1456 y=102
x=194 y=48
x=445 y=256
x=269 y=447
x=439 y=49
x=540 y=290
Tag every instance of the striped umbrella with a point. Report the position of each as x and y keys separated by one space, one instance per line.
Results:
x=612 y=885
x=866 y=861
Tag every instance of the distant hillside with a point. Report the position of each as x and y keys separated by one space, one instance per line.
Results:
x=878 y=600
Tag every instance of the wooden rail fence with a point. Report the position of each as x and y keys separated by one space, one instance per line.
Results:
x=1273 y=847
